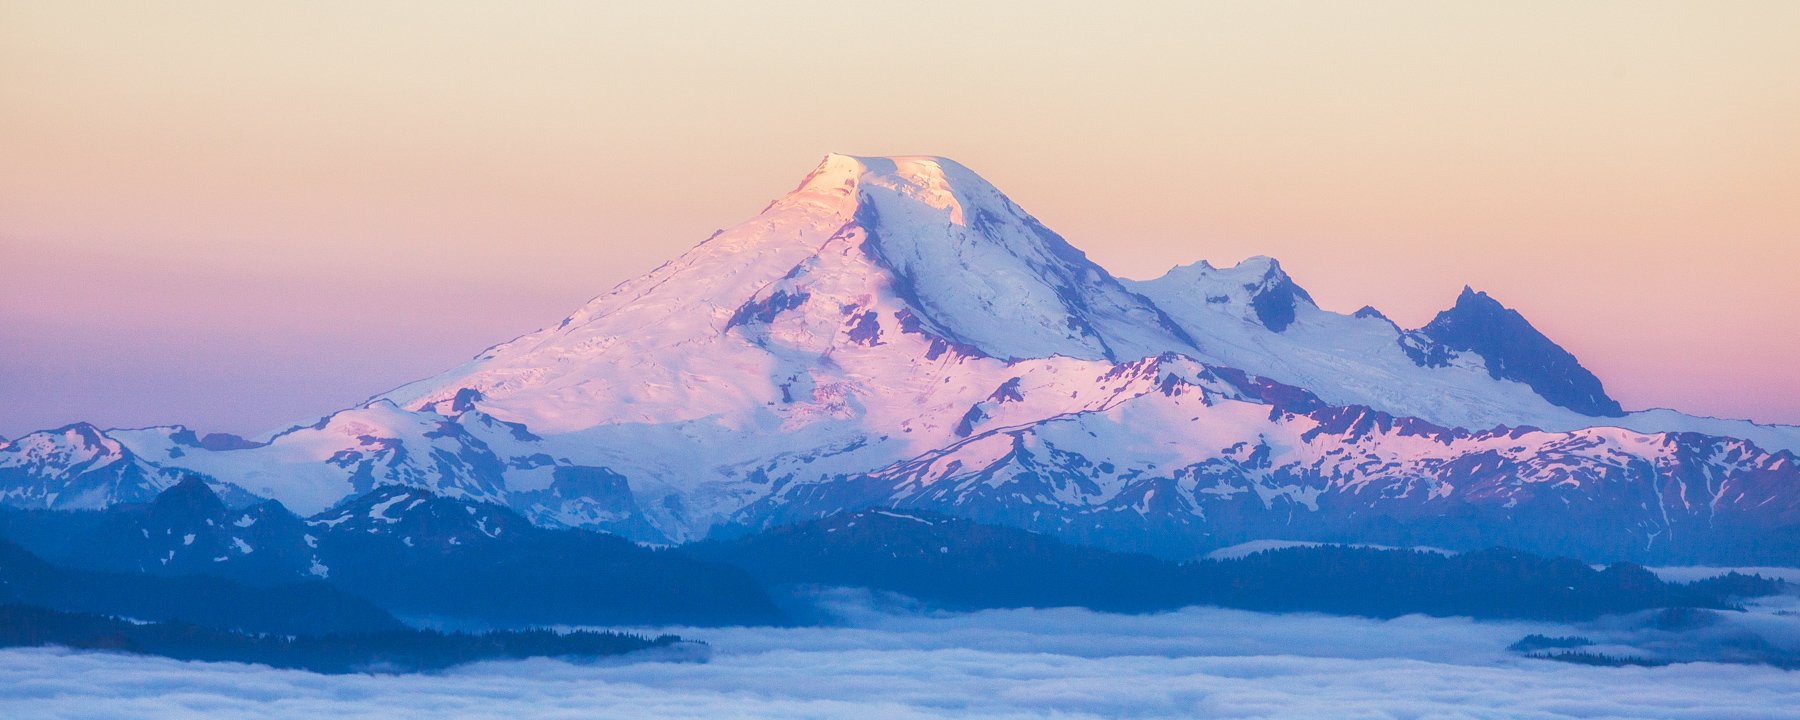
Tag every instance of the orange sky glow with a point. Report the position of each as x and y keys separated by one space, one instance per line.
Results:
x=241 y=215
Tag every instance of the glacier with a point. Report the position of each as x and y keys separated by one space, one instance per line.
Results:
x=897 y=332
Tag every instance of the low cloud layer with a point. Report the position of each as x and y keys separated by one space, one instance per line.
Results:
x=1064 y=663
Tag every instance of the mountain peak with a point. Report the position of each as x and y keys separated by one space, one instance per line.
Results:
x=189 y=498
x=1263 y=263
x=927 y=237
x=836 y=167
x=864 y=251
x=835 y=175
x=82 y=431
x=843 y=182
x=1257 y=286
x=1515 y=350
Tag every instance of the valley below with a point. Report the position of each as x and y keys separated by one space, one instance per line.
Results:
x=900 y=614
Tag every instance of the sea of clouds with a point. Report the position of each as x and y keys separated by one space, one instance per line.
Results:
x=884 y=662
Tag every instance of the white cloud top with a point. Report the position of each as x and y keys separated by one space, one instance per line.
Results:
x=1068 y=663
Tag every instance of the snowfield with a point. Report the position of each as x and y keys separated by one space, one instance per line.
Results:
x=896 y=331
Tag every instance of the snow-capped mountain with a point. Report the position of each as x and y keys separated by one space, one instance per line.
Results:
x=80 y=467
x=1254 y=316
x=895 y=331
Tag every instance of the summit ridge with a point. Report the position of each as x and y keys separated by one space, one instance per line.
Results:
x=897 y=332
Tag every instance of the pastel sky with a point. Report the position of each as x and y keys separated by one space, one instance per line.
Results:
x=241 y=215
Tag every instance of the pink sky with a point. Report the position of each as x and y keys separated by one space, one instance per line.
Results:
x=238 y=217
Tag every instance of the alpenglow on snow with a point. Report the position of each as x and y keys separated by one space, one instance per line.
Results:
x=897 y=332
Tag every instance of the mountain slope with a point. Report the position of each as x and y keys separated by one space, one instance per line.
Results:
x=955 y=563
x=897 y=331
x=1477 y=365
x=425 y=555
x=407 y=550
x=1186 y=456
x=864 y=248
x=294 y=608
x=1514 y=350
x=76 y=467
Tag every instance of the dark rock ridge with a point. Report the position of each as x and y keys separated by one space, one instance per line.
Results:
x=1514 y=350
x=1274 y=298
